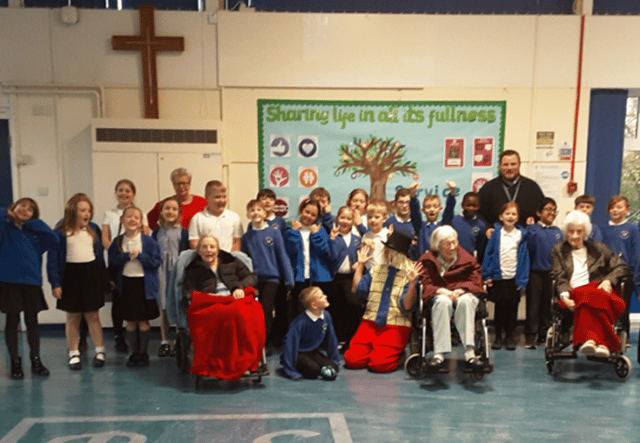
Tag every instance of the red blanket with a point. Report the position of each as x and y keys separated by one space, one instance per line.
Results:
x=595 y=314
x=228 y=335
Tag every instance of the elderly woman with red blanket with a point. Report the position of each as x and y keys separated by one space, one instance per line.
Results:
x=586 y=273
x=226 y=322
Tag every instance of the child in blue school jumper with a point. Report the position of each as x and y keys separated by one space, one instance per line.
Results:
x=307 y=245
x=322 y=196
x=310 y=347
x=505 y=269
x=264 y=244
x=23 y=240
x=279 y=323
x=136 y=258
x=623 y=238
x=358 y=200
x=586 y=203
x=172 y=239
x=431 y=207
x=345 y=306
x=401 y=219
x=540 y=237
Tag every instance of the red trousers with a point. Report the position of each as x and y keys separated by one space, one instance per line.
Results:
x=595 y=314
x=377 y=348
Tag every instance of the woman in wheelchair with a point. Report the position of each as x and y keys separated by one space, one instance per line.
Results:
x=217 y=272
x=586 y=273
x=451 y=278
x=226 y=322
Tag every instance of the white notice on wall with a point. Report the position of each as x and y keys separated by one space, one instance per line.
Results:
x=552 y=178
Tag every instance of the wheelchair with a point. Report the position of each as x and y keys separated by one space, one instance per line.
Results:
x=177 y=315
x=421 y=343
x=559 y=336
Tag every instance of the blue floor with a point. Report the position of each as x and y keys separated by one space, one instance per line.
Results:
x=519 y=402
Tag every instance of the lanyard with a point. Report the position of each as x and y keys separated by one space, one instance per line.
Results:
x=515 y=195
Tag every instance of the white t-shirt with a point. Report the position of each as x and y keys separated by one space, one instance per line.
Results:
x=132 y=268
x=225 y=227
x=509 y=252
x=80 y=247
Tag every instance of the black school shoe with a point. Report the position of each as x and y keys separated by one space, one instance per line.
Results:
x=164 y=350
x=121 y=344
x=16 y=369
x=143 y=360
x=497 y=343
x=133 y=360
x=37 y=368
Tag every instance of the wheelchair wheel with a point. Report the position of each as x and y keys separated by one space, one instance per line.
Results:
x=622 y=367
x=549 y=365
x=476 y=375
x=414 y=366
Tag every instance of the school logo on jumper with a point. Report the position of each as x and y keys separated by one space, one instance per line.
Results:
x=308 y=176
x=268 y=241
x=279 y=146
x=279 y=176
x=624 y=235
x=475 y=230
x=308 y=146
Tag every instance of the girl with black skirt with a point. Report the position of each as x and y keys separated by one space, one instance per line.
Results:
x=23 y=240
x=78 y=277
x=136 y=258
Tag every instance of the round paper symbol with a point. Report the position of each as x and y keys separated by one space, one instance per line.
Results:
x=307 y=148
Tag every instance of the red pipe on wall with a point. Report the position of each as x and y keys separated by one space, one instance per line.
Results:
x=572 y=186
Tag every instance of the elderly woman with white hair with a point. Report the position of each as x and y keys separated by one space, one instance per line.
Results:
x=451 y=278
x=585 y=273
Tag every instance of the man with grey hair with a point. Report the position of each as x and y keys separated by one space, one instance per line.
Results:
x=189 y=204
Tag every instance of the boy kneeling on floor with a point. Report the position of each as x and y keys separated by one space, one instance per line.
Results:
x=310 y=348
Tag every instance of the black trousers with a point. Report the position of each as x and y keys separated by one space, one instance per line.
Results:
x=506 y=298
x=310 y=363
x=267 y=294
x=346 y=307
x=538 y=304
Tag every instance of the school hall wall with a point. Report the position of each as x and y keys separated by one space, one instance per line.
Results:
x=231 y=59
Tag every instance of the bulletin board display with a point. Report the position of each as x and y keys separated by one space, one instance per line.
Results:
x=379 y=146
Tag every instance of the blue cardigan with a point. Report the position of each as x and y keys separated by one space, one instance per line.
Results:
x=21 y=250
x=339 y=250
x=491 y=262
x=319 y=255
x=57 y=259
x=149 y=258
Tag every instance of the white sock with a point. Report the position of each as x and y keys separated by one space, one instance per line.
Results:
x=439 y=356
x=469 y=353
x=100 y=349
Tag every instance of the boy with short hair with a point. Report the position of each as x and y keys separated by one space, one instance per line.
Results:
x=401 y=219
x=268 y=199
x=376 y=217
x=216 y=220
x=431 y=208
x=265 y=246
x=322 y=196
x=623 y=238
x=540 y=238
x=585 y=203
x=310 y=348
x=471 y=228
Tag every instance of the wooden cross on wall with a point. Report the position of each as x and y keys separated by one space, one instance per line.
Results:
x=148 y=44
